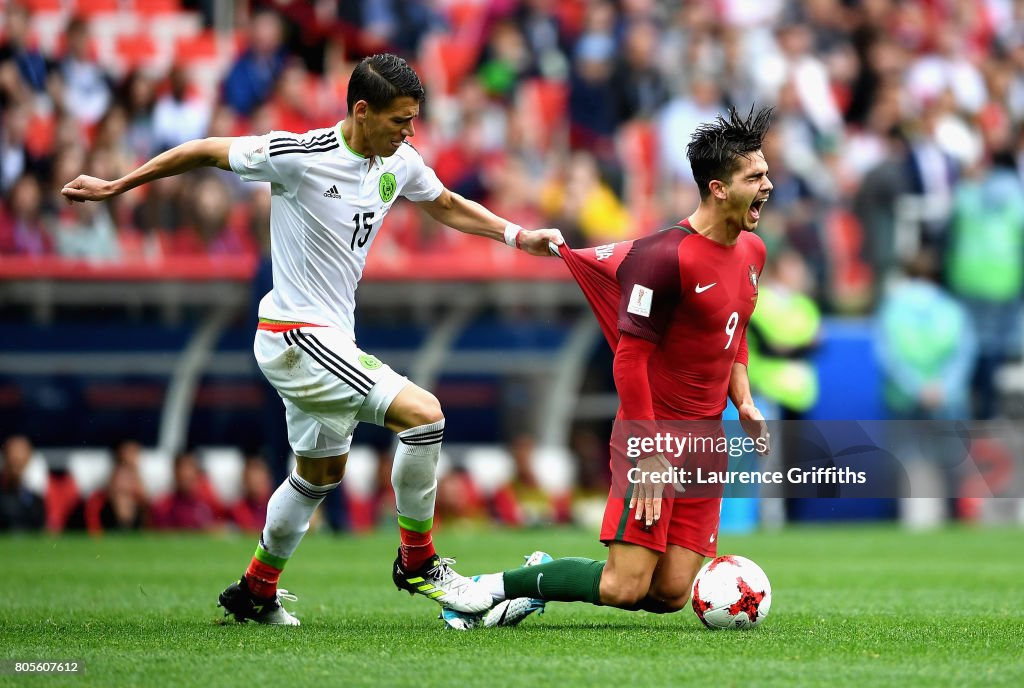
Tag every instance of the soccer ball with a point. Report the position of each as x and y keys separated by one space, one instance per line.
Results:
x=731 y=592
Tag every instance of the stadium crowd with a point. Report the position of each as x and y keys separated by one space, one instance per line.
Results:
x=897 y=150
x=574 y=114
x=122 y=500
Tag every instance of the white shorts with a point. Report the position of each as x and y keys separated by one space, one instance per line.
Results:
x=328 y=386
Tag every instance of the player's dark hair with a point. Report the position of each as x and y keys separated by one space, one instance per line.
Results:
x=716 y=148
x=380 y=79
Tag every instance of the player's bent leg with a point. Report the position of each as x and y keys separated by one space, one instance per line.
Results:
x=673 y=580
x=415 y=414
x=627 y=575
x=621 y=581
x=256 y=597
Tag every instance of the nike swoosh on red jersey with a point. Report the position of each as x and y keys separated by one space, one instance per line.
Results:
x=700 y=290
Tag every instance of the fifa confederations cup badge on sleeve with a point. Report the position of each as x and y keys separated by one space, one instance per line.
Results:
x=370 y=362
x=387 y=186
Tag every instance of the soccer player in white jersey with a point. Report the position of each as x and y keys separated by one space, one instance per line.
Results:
x=331 y=189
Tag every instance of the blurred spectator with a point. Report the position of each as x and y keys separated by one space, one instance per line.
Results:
x=67 y=164
x=459 y=499
x=85 y=86
x=796 y=64
x=179 y=115
x=128 y=452
x=677 y=121
x=985 y=267
x=119 y=507
x=505 y=62
x=20 y=508
x=639 y=88
x=209 y=231
x=395 y=26
x=782 y=333
x=513 y=192
x=83 y=230
x=22 y=230
x=191 y=505
x=306 y=27
x=16 y=158
x=522 y=501
x=926 y=347
x=542 y=29
x=933 y=174
x=23 y=68
x=294 y=107
x=802 y=149
x=137 y=97
x=251 y=79
x=875 y=206
x=463 y=163
x=250 y=511
x=592 y=113
x=162 y=210
x=591 y=453
x=334 y=81
x=110 y=147
x=583 y=206
x=86 y=231
x=946 y=68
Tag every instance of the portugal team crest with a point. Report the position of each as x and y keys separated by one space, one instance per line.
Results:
x=753 y=278
x=387 y=187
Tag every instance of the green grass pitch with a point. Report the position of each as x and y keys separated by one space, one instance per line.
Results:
x=870 y=606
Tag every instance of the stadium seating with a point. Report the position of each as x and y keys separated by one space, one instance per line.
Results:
x=90 y=469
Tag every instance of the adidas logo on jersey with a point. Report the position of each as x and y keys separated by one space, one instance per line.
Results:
x=332 y=192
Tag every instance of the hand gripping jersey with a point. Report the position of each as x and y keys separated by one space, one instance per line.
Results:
x=686 y=293
x=327 y=205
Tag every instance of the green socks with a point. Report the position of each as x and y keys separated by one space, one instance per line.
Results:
x=572 y=579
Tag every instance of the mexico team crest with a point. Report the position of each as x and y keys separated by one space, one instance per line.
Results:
x=753 y=277
x=370 y=362
x=388 y=185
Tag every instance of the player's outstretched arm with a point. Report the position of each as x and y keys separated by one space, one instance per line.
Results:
x=472 y=218
x=210 y=152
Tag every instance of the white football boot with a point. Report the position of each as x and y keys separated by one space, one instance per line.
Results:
x=438 y=581
x=505 y=613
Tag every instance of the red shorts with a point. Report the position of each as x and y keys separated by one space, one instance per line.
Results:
x=689 y=521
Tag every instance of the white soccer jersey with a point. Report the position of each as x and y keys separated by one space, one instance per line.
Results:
x=327 y=206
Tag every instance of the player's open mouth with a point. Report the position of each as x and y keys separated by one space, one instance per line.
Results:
x=755 y=208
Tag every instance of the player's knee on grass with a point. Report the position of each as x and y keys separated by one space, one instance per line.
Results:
x=670 y=594
x=668 y=605
x=412 y=408
x=325 y=471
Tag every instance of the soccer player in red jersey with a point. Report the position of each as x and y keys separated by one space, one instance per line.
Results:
x=674 y=307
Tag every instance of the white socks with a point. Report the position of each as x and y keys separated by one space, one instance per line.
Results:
x=414 y=474
x=288 y=513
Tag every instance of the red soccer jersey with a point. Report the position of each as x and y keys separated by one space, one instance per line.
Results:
x=689 y=295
